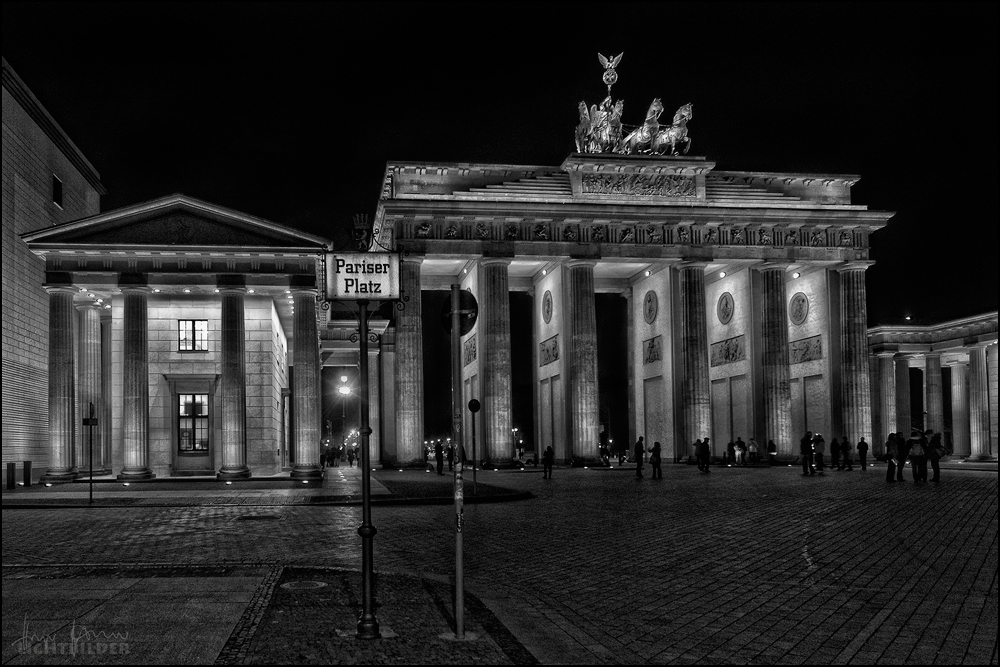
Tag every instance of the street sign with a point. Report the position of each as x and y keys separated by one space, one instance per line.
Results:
x=356 y=276
x=468 y=311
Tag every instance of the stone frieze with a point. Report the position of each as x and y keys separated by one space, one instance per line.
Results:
x=728 y=351
x=805 y=349
x=640 y=185
x=549 y=351
x=651 y=349
x=469 y=351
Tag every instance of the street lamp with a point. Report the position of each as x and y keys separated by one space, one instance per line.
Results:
x=513 y=433
x=344 y=390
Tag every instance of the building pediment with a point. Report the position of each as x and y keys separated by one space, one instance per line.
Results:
x=174 y=223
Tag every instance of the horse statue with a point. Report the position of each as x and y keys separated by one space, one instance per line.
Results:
x=673 y=135
x=600 y=128
x=642 y=137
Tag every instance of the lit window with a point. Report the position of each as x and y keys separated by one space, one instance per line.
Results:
x=192 y=423
x=57 y=198
x=192 y=335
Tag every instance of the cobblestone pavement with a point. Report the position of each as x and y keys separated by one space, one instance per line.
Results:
x=737 y=566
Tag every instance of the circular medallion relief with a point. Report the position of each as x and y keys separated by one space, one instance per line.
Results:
x=725 y=308
x=547 y=306
x=649 y=306
x=798 y=308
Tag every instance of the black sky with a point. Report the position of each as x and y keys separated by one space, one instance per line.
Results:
x=290 y=111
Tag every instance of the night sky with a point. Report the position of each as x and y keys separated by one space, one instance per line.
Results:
x=290 y=112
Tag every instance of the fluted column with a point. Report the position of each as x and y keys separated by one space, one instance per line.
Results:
x=135 y=384
x=774 y=364
x=583 y=390
x=62 y=392
x=232 y=385
x=960 y=410
x=855 y=392
x=886 y=388
x=306 y=386
x=374 y=402
x=107 y=391
x=935 y=392
x=409 y=368
x=695 y=393
x=89 y=384
x=494 y=318
x=979 y=406
x=902 y=372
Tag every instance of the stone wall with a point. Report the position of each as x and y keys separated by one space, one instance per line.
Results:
x=653 y=365
x=809 y=377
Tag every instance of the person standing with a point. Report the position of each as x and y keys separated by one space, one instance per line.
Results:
x=903 y=451
x=699 y=455
x=350 y=456
x=548 y=457
x=935 y=451
x=439 y=457
x=752 y=447
x=731 y=453
x=640 y=452
x=806 y=454
x=741 y=452
x=654 y=461
x=772 y=452
x=451 y=456
x=863 y=453
x=918 y=457
x=819 y=449
x=835 y=455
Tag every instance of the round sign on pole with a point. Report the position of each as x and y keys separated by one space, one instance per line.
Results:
x=468 y=311
x=474 y=406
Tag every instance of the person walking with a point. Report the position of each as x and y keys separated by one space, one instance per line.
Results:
x=891 y=458
x=846 y=458
x=935 y=452
x=654 y=461
x=918 y=457
x=772 y=452
x=903 y=452
x=640 y=452
x=350 y=456
x=439 y=457
x=819 y=449
x=548 y=457
x=835 y=455
x=806 y=454
x=863 y=454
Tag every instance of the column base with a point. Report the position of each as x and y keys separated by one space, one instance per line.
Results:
x=98 y=472
x=234 y=473
x=974 y=458
x=306 y=472
x=135 y=474
x=57 y=476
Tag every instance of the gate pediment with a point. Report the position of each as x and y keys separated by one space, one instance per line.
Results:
x=176 y=221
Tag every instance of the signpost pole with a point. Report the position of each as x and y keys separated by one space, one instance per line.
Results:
x=91 y=422
x=367 y=624
x=474 y=408
x=456 y=405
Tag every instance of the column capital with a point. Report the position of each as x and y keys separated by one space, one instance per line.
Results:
x=228 y=282
x=855 y=265
x=134 y=289
x=305 y=291
x=692 y=264
x=576 y=263
x=772 y=266
x=933 y=353
x=412 y=259
x=232 y=289
x=495 y=260
x=60 y=289
x=982 y=344
x=88 y=306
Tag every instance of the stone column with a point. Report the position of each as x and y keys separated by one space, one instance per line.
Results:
x=960 y=410
x=855 y=392
x=107 y=391
x=494 y=318
x=633 y=427
x=89 y=384
x=979 y=406
x=374 y=401
x=887 y=393
x=583 y=390
x=902 y=370
x=935 y=392
x=306 y=386
x=62 y=392
x=135 y=384
x=232 y=384
x=409 y=368
x=774 y=364
x=696 y=403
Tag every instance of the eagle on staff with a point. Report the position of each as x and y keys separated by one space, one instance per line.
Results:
x=610 y=75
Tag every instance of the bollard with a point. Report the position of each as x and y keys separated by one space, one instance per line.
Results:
x=11 y=470
x=27 y=473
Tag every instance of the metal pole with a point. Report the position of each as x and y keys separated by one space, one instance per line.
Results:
x=475 y=488
x=367 y=624
x=91 y=453
x=456 y=406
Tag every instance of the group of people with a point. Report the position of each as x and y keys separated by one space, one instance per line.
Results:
x=331 y=457
x=655 y=459
x=740 y=453
x=920 y=448
x=812 y=454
